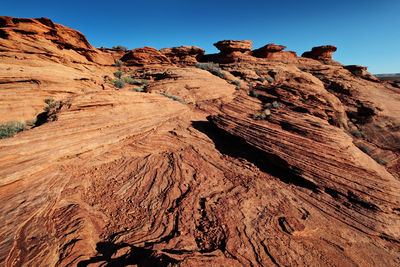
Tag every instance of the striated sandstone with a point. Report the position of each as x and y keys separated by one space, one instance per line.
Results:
x=144 y=56
x=119 y=178
x=229 y=46
x=274 y=52
x=323 y=53
x=184 y=55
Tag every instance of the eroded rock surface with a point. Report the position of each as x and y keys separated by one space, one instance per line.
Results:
x=184 y=55
x=296 y=163
x=323 y=53
x=274 y=52
x=144 y=56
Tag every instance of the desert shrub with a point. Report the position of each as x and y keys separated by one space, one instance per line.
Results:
x=138 y=89
x=118 y=74
x=380 y=161
x=269 y=79
x=118 y=83
x=119 y=63
x=275 y=105
x=172 y=97
x=128 y=79
x=212 y=68
x=357 y=134
x=262 y=115
x=49 y=100
x=237 y=83
x=144 y=82
x=120 y=47
x=363 y=148
x=261 y=79
x=51 y=103
x=254 y=94
x=10 y=129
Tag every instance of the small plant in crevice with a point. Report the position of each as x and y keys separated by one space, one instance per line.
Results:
x=254 y=94
x=118 y=74
x=237 y=83
x=212 y=68
x=262 y=115
x=365 y=149
x=118 y=83
x=50 y=104
x=380 y=161
x=274 y=105
x=261 y=79
x=138 y=89
x=119 y=63
x=269 y=79
x=120 y=47
x=172 y=97
x=357 y=133
x=10 y=129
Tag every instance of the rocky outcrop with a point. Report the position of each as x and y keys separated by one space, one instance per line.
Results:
x=229 y=46
x=361 y=71
x=293 y=164
x=72 y=43
x=231 y=51
x=183 y=55
x=144 y=56
x=322 y=53
x=274 y=52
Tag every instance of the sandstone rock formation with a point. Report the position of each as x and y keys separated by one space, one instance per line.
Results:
x=295 y=164
x=144 y=56
x=274 y=52
x=231 y=51
x=185 y=55
x=323 y=53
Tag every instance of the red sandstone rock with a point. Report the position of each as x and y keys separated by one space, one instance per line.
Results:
x=185 y=55
x=119 y=177
x=229 y=46
x=274 y=52
x=324 y=52
x=144 y=56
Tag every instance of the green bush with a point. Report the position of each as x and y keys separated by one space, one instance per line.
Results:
x=172 y=97
x=120 y=47
x=118 y=74
x=118 y=83
x=119 y=63
x=10 y=129
x=263 y=115
x=237 y=83
x=380 y=161
x=138 y=89
x=212 y=68
x=254 y=94
x=51 y=103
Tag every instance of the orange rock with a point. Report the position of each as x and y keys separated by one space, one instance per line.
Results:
x=229 y=46
x=304 y=173
x=274 y=52
x=185 y=55
x=322 y=53
x=144 y=56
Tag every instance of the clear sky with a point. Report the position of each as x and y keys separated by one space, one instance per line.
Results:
x=366 y=32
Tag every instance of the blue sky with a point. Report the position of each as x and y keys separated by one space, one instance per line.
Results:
x=366 y=32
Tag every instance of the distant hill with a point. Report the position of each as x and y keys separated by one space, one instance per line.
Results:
x=391 y=76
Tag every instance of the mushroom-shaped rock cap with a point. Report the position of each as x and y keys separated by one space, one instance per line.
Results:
x=320 y=52
x=228 y=46
x=271 y=48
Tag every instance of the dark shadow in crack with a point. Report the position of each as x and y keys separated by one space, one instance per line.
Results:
x=132 y=256
x=237 y=147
